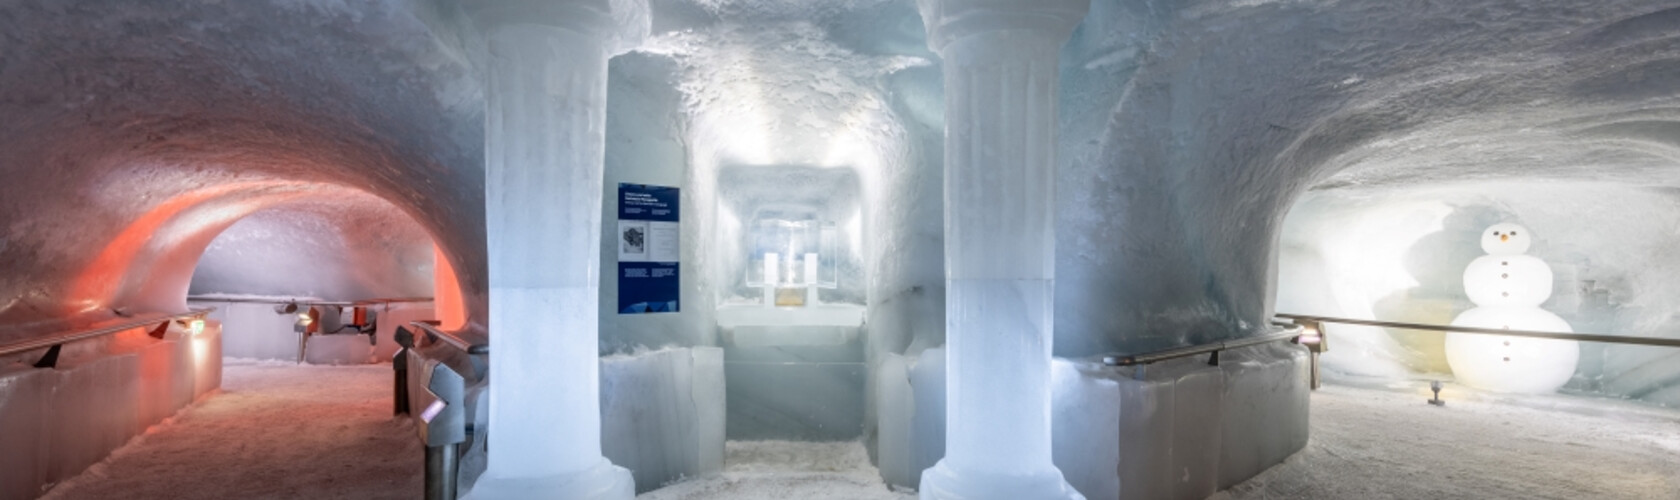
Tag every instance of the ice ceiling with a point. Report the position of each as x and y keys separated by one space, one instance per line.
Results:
x=135 y=133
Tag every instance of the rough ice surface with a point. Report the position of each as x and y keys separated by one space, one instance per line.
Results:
x=1086 y=443
x=781 y=470
x=1401 y=255
x=1384 y=441
x=271 y=433
x=662 y=415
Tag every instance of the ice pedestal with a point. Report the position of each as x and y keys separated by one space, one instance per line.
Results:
x=794 y=373
x=662 y=413
x=545 y=116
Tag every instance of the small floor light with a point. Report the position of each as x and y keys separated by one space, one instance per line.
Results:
x=1435 y=385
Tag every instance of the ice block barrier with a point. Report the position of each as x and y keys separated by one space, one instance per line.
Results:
x=55 y=422
x=662 y=413
x=1182 y=429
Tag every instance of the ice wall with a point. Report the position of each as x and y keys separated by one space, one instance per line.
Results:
x=1175 y=183
x=1176 y=429
x=354 y=249
x=127 y=150
x=1398 y=253
x=55 y=422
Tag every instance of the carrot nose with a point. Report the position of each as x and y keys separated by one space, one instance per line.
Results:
x=1504 y=237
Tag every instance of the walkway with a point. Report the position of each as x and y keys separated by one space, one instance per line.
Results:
x=277 y=431
x=1385 y=442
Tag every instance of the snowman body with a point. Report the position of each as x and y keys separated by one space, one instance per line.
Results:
x=1508 y=288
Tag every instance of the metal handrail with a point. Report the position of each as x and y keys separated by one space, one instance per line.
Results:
x=341 y=303
x=432 y=331
x=78 y=335
x=1289 y=333
x=1583 y=337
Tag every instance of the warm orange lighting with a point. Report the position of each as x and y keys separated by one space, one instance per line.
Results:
x=162 y=227
x=446 y=292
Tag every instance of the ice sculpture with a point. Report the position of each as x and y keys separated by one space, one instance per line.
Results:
x=1508 y=288
x=1000 y=244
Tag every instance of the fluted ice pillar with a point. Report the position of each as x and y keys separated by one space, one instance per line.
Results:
x=1000 y=188
x=545 y=98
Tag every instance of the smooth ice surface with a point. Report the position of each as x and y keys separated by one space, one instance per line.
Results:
x=895 y=406
x=998 y=375
x=927 y=423
x=339 y=349
x=255 y=331
x=55 y=422
x=537 y=426
x=660 y=414
x=1086 y=403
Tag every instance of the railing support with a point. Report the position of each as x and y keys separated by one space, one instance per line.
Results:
x=441 y=468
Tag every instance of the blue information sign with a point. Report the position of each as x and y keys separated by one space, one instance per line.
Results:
x=649 y=245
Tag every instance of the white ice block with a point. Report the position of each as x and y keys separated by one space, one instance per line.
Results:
x=927 y=423
x=710 y=412
x=661 y=413
x=1266 y=403
x=207 y=359
x=24 y=421
x=256 y=331
x=1181 y=430
x=1085 y=403
x=338 y=349
x=894 y=407
x=93 y=410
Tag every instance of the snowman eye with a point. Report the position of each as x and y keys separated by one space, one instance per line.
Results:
x=1513 y=233
x=1496 y=233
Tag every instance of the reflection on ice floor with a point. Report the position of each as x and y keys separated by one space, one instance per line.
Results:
x=1385 y=442
x=777 y=470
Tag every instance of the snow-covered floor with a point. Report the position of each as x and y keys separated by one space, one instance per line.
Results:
x=276 y=430
x=782 y=470
x=1385 y=442
x=284 y=431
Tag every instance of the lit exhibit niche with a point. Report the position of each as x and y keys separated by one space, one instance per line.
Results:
x=791 y=259
x=1508 y=288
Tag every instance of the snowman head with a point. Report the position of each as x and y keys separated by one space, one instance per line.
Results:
x=1506 y=239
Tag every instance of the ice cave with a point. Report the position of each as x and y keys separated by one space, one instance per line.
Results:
x=839 y=249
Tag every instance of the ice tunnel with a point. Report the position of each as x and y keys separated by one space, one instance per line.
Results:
x=946 y=249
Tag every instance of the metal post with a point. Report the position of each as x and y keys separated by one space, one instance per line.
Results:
x=441 y=466
x=399 y=395
x=1314 y=356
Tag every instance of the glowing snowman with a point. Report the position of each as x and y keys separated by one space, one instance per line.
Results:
x=1508 y=288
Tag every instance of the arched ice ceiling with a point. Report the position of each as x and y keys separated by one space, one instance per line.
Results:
x=1188 y=126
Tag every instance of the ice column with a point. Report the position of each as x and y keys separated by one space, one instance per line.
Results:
x=1000 y=186
x=545 y=106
